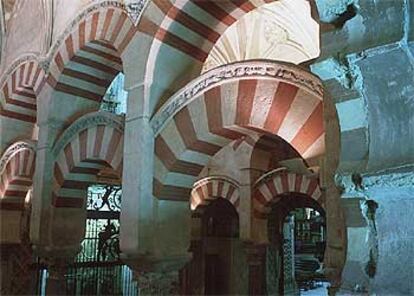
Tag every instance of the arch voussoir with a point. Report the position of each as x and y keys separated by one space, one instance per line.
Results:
x=211 y=188
x=16 y=174
x=273 y=186
x=230 y=103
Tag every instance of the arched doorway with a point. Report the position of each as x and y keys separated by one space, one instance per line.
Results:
x=215 y=245
x=297 y=239
x=276 y=196
x=220 y=226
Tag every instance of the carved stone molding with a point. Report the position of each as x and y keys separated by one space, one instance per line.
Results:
x=208 y=179
x=241 y=70
x=15 y=64
x=12 y=150
x=267 y=176
x=85 y=122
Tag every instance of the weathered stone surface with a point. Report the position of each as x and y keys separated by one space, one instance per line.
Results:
x=389 y=92
x=395 y=266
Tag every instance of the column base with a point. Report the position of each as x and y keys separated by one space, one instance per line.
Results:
x=158 y=283
x=157 y=275
x=150 y=263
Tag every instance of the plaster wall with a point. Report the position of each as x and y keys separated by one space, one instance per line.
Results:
x=27 y=31
x=64 y=13
x=10 y=128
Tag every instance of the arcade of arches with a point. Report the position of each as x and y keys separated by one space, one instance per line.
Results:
x=232 y=147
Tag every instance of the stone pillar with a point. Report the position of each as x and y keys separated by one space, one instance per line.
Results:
x=137 y=222
x=290 y=287
x=17 y=276
x=245 y=207
x=154 y=234
x=335 y=253
x=256 y=255
x=158 y=283
x=57 y=261
x=40 y=234
x=56 y=282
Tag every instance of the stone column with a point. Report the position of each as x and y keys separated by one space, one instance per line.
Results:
x=335 y=253
x=256 y=255
x=17 y=276
x=154 y=234
x=56 y=282
x=40 y=232
x=290 y=287
x=137 y=222
x=6 y=274
x=57 y=261
x=158 y=283
x=245 y=207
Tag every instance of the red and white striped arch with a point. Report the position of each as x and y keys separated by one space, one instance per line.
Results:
x=193 y=27
x=18 y=93
x=89 y=57
x=79 y=162
x=181 y=34
x=208 y=189
x=270 y=189
x=16 y=175
x=229 y=111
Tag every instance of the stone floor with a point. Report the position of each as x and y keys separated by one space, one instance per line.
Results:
x=320 y=291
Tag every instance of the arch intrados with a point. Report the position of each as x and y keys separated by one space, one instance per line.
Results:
x=277 y=184
x=206 y=35
x=91 y=146
x=296 y=200
x=209 y=189
x=19 y=89
x=232 y=90
x=220 y=210
x=17 y=166
x=237 y=71
x=88 y=55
